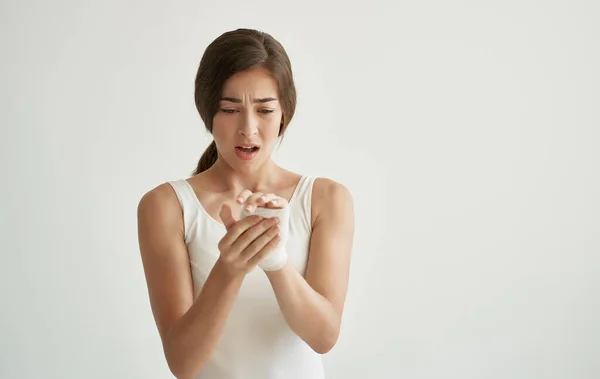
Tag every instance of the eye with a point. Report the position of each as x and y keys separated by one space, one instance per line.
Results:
x=266 y=111
x=228 y=110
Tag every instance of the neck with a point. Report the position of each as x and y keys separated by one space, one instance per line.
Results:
x=256 y=180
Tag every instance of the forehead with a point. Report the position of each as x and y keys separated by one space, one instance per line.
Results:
x=256 y=82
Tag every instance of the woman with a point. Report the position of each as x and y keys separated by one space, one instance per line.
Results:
x=221 y=312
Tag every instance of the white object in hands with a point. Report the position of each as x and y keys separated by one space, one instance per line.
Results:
x=278 y=257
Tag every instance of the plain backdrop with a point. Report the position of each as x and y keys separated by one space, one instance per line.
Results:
x=467 y=132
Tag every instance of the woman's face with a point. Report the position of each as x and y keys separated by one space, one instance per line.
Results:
x=246 y=126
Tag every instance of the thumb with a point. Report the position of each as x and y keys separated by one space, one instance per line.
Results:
x=227 y=216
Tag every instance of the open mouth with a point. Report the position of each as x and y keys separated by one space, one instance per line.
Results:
x=247 y=150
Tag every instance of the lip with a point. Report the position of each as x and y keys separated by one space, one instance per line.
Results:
x=246 y=156
x=248 y=145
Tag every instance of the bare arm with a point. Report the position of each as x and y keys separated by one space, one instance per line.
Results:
x=189 y=330
x=313 y=306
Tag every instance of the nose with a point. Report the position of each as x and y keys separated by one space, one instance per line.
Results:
x=248 y=125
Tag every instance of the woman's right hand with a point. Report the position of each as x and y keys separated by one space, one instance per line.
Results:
x=247 y=241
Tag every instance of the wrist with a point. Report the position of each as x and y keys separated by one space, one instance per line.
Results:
x=225 y=274
x=276 y=260
x=275 y=274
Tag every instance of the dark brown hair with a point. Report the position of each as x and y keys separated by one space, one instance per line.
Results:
x=232 y=52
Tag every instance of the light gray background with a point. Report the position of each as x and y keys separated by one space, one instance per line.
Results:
x=467 y=132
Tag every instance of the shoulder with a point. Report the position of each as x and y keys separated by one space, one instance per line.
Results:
x=330 y=199
x=158 y=197
x=326 y=188
x=159 y=205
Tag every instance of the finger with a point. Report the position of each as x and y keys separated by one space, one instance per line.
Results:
x=277 y=203
x=238 y=229
x=265 y=199
x=252 y=233
x=245 y=194
x=259 y=243
x=227 y=216
x=251 y=201
x=265 y=251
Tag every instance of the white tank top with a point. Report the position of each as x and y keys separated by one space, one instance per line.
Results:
x=257 y=342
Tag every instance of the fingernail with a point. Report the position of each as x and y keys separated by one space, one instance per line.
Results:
x=249 y=208
x=274 y=202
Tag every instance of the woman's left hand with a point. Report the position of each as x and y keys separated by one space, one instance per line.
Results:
x=252 y=200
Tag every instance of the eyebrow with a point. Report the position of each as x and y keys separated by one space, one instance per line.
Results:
x=236 y=100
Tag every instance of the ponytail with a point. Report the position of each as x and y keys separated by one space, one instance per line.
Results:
x=208 y=158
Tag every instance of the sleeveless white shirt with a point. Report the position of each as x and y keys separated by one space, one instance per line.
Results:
x=256 y=342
